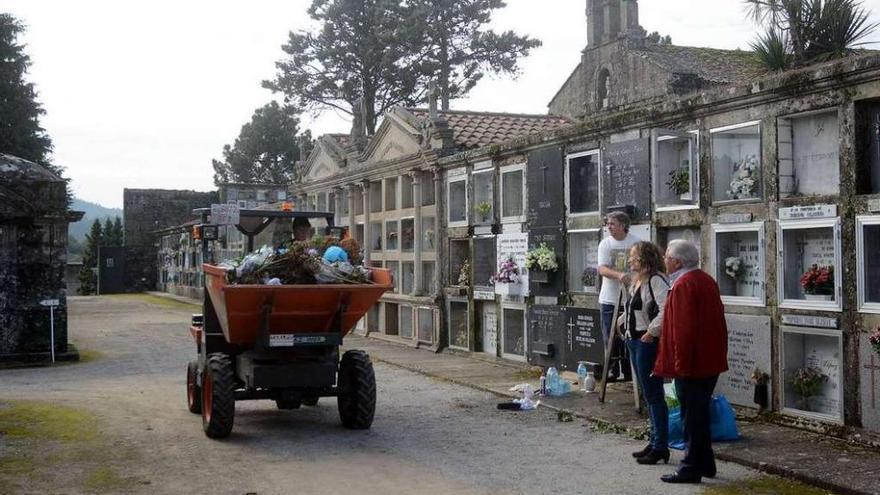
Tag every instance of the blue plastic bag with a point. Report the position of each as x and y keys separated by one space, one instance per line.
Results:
x=722 y=419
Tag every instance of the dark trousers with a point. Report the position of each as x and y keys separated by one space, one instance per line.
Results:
x=695 y=396
x=619 y=360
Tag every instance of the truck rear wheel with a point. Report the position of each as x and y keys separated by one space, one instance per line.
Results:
x=218 y=396
x=357 y=390
x=193 y=391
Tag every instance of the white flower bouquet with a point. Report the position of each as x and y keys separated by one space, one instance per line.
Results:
x=744 y=180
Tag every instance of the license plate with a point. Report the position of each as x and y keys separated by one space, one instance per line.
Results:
x=290 y=340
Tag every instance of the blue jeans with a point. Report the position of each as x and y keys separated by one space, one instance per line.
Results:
x=643 y=356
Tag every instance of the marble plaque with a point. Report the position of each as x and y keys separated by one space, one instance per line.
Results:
x=869 y=371
x=735 y=218
x=810 y=321
x=748 y=347
x=874 y=205
x=805 y=212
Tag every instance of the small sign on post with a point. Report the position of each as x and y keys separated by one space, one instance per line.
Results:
x=51 y=303
x=225 y=214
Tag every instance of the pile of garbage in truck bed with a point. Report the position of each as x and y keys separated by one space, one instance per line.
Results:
x=320 y=260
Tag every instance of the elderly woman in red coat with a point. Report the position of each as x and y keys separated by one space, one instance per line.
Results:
x=693 y=351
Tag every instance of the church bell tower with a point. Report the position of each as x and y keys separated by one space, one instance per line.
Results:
x=609 y=20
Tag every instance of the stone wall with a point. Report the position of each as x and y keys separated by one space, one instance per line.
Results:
x=146 y=211
x=33 y=257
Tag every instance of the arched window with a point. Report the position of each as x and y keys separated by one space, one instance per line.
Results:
x=604 y=88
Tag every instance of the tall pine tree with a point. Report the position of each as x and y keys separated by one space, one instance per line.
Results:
x=266 y=150
x=20 y=131
x=454 y=48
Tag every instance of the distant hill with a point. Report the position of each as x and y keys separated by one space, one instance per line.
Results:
x=93 y=211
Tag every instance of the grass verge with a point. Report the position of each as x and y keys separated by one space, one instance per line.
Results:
x=47 y=446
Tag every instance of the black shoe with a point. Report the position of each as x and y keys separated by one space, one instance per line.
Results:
x=611 y=378
x=681 y=478
x=654 y=456
x=642 y=452
x=709 y=471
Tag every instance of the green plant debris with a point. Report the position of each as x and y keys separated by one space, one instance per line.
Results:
x=764 y=485
x=44 y=421
x=529 y=373
x=106 y=479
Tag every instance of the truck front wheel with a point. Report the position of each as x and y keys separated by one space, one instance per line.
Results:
x=218 y=396
x=357 y=390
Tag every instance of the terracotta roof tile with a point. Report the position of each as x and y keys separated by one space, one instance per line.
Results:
x=476 y=129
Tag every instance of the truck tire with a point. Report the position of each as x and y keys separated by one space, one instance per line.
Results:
x=218 y=396
x=357 y=390
x=193 y=391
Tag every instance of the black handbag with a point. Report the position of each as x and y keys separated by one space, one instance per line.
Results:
x=651 y=307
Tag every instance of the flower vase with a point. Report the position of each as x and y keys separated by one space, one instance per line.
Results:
x=805 y=404
x=761 y=397
x=818 y=297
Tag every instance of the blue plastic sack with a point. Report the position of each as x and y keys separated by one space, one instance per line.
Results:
x=722 y=420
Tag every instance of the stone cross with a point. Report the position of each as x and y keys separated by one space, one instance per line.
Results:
x=873 y=367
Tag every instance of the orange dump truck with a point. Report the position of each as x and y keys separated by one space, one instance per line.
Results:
x=279 y=342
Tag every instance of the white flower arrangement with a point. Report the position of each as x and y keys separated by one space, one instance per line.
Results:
x=744 y=180
x=734 y=266
x=541 y=258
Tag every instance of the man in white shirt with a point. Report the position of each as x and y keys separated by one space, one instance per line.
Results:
x=613 y=253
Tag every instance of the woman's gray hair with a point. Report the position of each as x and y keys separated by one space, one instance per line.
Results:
x=619 y=217
x=685 y=252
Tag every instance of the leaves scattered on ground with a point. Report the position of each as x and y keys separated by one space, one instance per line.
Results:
x=38 y=437
x=764 y=485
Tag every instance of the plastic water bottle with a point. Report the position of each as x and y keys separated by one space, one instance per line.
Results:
x=582 y=372
x=589 y=382
x=552 y=381
x=543 y=387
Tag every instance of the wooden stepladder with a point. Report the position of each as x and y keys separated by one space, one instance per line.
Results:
x=617 y=331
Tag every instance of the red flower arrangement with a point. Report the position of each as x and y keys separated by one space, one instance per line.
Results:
x=818 y=280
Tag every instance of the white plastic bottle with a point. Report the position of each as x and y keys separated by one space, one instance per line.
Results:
x=553 y=381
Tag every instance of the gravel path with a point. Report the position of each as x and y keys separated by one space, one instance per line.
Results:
x=429 y=437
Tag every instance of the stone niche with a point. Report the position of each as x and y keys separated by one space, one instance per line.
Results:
x=406 y=321
x=583 y=260
x=868 y=245
x=868 y=147
x=676 y=171
x=818 y=352
x=459 y=317
x=736 y=162
x=804 y=245
x=738 y=262
x=33 y=256
x=513 y=332
x=809 y=154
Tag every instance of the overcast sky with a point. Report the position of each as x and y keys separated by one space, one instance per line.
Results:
x=144 y=94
